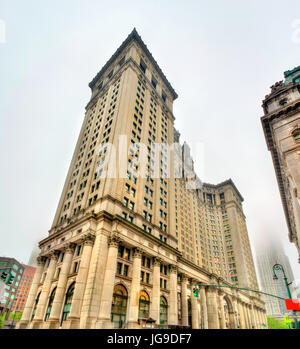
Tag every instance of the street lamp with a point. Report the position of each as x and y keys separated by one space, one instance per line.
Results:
x=280 y=267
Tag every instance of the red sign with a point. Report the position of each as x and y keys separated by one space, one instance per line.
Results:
x=292 y=304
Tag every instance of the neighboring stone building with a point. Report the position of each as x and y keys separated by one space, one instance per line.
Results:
x=126 y=248
x=281 y=124
x=269 y=253
x=24 y=287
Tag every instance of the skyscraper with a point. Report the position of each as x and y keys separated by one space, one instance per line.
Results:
x=130 y=239
x=269 y=253
x=281 y=125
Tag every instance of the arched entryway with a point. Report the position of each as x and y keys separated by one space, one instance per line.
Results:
x=119 y=306
x=68 y=302
x=50 y=304
x=144 y=305
x=163 y=311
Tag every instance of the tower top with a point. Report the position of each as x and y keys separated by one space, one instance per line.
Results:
x=134 y=36
x=292 y=75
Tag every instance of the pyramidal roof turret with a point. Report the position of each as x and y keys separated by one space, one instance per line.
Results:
x=134 y=36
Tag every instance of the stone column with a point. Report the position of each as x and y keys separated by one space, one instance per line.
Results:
x=221 y=309
x=173 y=311
x=251 y=322
x=264 y=319
x=40 y=310
x=184 y=301
x=203 y=306
x=94 y=283
x=235 y=313
x=247 y=316
x=133 y=312
x=243 y=324
x=212 y=310
x=61 y=287
x=254 y=314
x=155 y=304
x=103 y=320
x=26 y=316
x=194 y=303
x=73 y=320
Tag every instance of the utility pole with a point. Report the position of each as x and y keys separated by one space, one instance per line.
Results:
x=287 y=285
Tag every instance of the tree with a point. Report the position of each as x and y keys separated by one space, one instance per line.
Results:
x=276 y=323
x=2 y=319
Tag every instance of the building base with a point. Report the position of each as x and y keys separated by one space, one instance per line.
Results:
x=104 y=324
x=72 y=323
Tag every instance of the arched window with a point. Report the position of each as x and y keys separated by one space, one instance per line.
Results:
x=50 y=304
x=144 y=305
x=119 y=306
x=68 y=302
x=35 y=306
x=163 y=310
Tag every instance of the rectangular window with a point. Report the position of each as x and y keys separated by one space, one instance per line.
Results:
x=154 y=82
x=125 y=272
x=143 y=66
x=119 y=268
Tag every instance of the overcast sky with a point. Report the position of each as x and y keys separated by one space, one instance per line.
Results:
x=221 y=57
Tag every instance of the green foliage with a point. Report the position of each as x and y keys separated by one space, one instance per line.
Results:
x=277 y=324
x=2 y=320
x=17 y=316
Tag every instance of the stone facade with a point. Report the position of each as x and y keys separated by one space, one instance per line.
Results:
x=281 y=124
x=113 y=257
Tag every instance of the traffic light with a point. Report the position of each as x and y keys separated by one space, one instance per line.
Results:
x=195 y=292
x=10 y=279
x=3 y=276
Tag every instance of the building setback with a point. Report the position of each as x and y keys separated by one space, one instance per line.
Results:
x=281 y=125
x=125 y=250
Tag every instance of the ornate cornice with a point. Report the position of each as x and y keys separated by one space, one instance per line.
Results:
x=134 y=36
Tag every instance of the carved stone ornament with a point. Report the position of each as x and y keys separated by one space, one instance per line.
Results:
x=70 y=247
x=89 y=239
x=173 y=268
x=114 y=240
x=137 y=252
x=157 y=261
x=184 y=278
x=54 y=255
x=41 y=260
